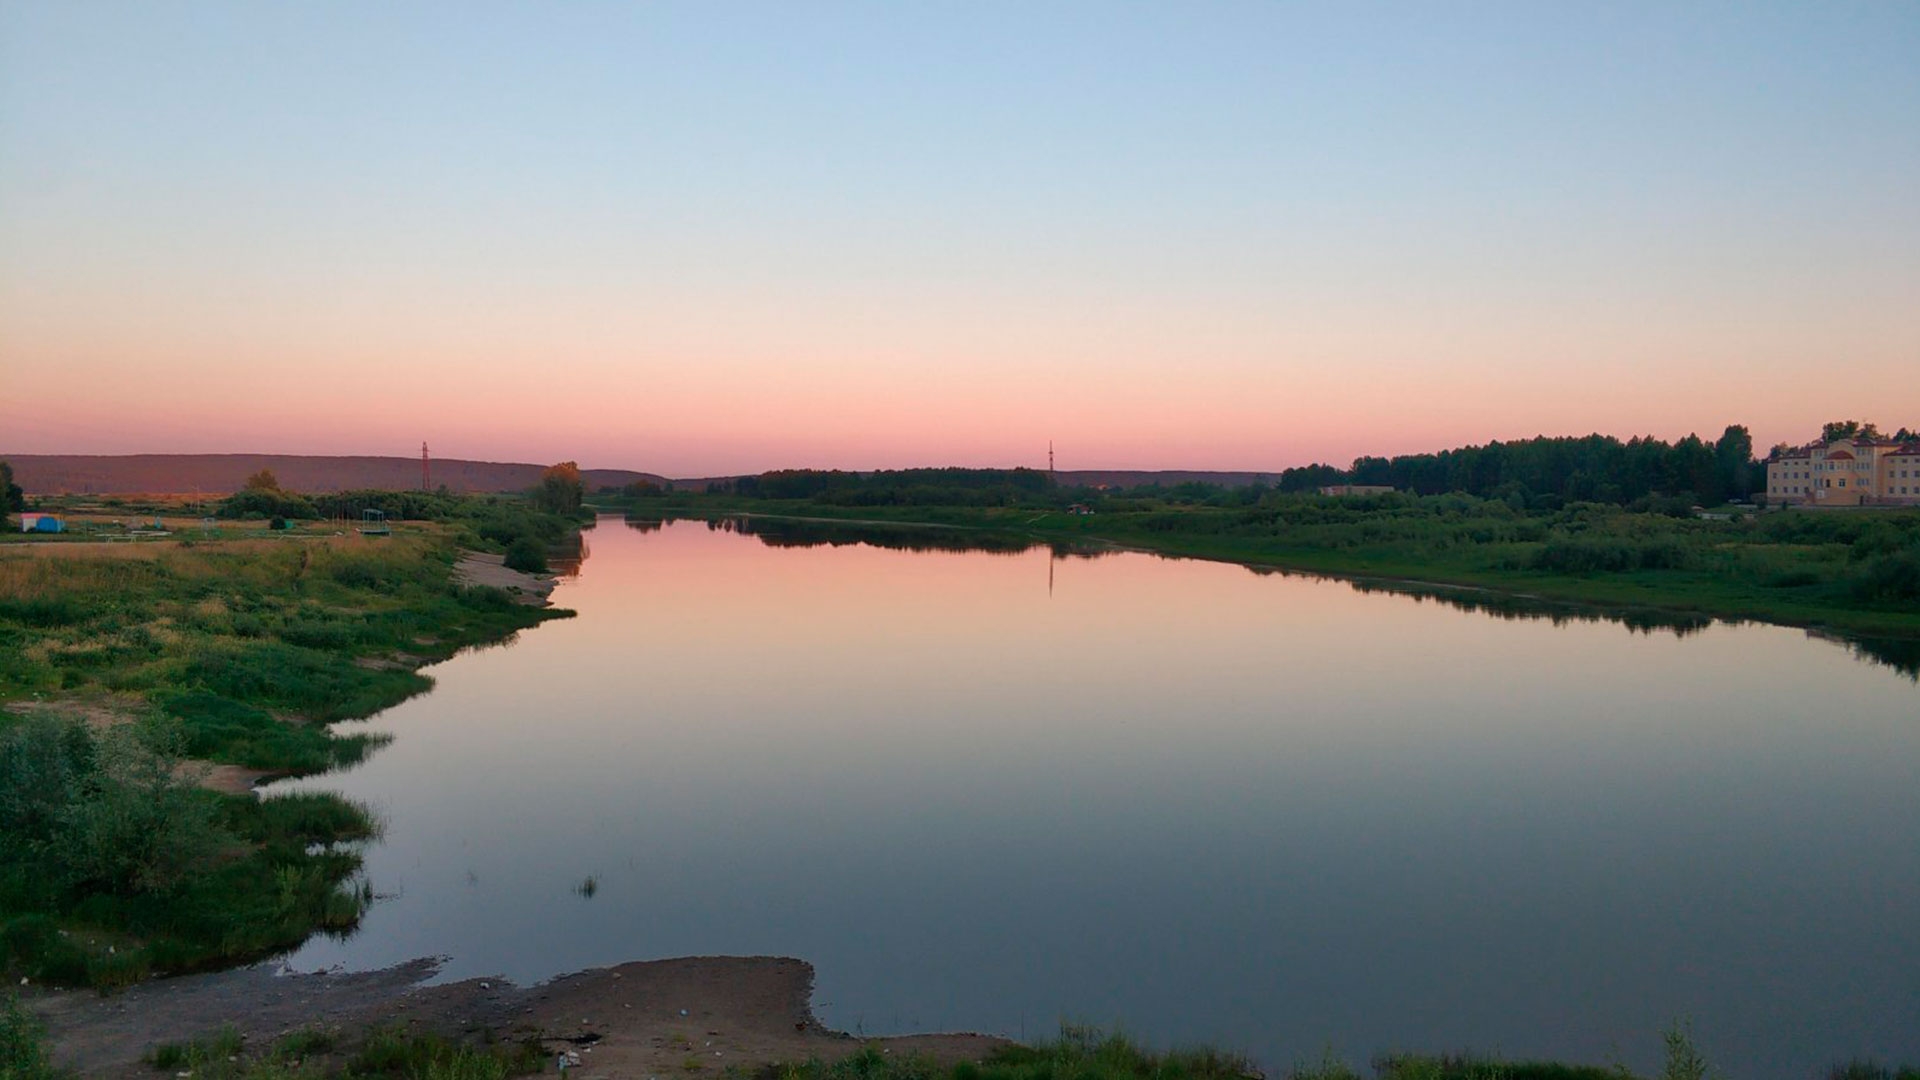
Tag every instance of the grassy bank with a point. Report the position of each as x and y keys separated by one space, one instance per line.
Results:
x=128 y=670
x=1850 y=573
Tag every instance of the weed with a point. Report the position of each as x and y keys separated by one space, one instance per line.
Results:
x=23 y=1043
x=1683 y=1061
x=306 y=1043
x=219 y=1050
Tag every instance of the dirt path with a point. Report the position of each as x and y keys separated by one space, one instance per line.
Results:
x=480 y=568
x=683 y=1018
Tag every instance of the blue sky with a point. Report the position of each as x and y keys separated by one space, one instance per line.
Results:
x=1225 y=235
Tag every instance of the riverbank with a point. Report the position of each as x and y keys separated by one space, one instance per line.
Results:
x=687 y=1017
x=708 y=1016
x=145 y=687
x=1851 y=575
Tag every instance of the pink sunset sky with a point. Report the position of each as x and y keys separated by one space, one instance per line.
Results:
x=699 y=240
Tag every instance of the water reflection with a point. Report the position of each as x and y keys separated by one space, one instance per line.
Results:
x=1510 y=606
x=564 y=560
x=1901 y=655
x=788 y=532
x=1272 y=812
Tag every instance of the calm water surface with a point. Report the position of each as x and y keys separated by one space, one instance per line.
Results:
x=1274 y=813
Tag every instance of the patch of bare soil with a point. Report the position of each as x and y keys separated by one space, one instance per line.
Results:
x=480 y=568
x=98 y=713
x=687 y=1017
x=228 y=779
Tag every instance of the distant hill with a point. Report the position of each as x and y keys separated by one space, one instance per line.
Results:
x=219 y=474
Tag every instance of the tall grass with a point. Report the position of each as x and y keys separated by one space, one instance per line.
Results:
x=113 y=867
x=23 y=1043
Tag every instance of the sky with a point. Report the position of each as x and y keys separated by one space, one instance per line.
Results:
x=700 y=238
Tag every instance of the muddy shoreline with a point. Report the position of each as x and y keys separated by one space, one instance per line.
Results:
x=683 y=1017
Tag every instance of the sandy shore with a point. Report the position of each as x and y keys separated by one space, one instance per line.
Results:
x=480 y=568
x=680 y=1018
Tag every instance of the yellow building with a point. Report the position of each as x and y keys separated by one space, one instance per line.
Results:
x=1846 y=472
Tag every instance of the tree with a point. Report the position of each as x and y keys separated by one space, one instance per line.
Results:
x=264 y=480
x=1733 y=459
x=560 y=489
x=12 y=499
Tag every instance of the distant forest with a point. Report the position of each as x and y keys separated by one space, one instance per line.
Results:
x=1590 y=468
x=1538 y=473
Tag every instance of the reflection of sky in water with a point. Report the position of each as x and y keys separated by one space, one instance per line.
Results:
x=1270 y=812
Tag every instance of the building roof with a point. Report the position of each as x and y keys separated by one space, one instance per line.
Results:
x=1839 y=455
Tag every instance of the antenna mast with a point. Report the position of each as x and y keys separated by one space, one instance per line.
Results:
x=1049 y=459
x=423 y=465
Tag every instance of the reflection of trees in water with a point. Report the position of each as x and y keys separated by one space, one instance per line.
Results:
x=1510 y=606
x=565 y=559
x=790 y=532
x=1901 y=655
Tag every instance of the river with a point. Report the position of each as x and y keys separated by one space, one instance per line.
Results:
x=998 y=789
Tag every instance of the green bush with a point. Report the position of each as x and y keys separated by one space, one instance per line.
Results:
x=1890 y=579
x=527 y=555
x=1610 y=556
x=255 y=503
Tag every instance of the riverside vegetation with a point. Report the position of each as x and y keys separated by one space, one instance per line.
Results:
x=1856 y=573
x=127 y=671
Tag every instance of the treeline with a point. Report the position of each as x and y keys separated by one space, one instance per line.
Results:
x=1543 y=473
x=1531 y=474
x=902 y=487
x=1553 y=471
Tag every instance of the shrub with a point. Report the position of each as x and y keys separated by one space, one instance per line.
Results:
x=527 y=555
x=266 y=503
x=1610 y=556
x=138 y=827
x=1891 y=579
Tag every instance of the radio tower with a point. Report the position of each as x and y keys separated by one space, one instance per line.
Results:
x=1049 y=459
x=423 y=465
